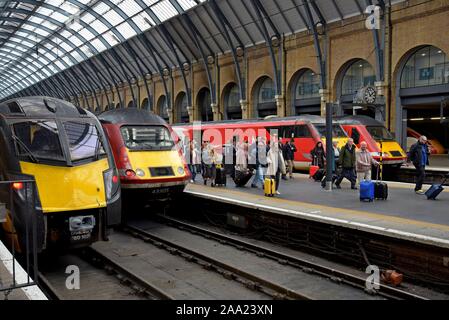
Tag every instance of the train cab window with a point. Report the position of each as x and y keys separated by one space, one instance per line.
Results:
x=355 y=135
x=289 y=132
x=147 y=138
x=380 y=133
x=337 y=131
x=38 y=139
x=84 y=140
x=302 y=131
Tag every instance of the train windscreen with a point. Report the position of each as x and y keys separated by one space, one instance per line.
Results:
x=147 y=138
x=38 y=140
x=84 y=140
x=337 y=131
x=379 y=133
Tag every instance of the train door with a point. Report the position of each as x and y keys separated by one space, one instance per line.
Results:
x=304 y=143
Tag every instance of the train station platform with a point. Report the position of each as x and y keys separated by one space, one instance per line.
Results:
x=438 y=162
x=405 y=215
x=7 y=280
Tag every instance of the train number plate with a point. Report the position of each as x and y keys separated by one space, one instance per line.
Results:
x=83 y=235
x=160 y=191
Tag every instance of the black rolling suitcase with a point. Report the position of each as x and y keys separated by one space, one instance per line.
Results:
x=220 y=177
x=242 y=177
x=435 y=190
x=380 y=189
x=318 y=176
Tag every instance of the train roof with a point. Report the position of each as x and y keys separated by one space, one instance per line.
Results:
x=360 y=120
x=304 y=118
x=131 y=116
x=42 y=107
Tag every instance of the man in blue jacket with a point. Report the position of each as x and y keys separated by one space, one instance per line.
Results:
x=419 y=155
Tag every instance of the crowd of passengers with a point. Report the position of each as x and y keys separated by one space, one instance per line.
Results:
x=275 y=160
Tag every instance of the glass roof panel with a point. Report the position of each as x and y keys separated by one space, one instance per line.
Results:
x=65 y=28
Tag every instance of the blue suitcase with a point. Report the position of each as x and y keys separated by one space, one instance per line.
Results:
x=367 y=191
x=435 y=190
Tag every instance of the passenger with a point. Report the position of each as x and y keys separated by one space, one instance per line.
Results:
x=318 y=155
x=259 y=154
x=335 y=156
x=347 y=161
x=364 y=161
x=195 y=164
x=276 y=163
x=206 y=161
x=242 y=156
x=289 y=156
x=419 y=155
x=216 y=160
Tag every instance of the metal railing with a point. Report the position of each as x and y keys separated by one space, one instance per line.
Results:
x=18 y=209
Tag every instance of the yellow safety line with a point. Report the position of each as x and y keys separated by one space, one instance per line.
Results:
x=333 y=210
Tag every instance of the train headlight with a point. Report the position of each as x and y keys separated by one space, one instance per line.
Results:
x=181 y=170
x=140 y=172
x=111 y=183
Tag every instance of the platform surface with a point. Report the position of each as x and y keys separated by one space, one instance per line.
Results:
x=404 y=215
x=6 y=279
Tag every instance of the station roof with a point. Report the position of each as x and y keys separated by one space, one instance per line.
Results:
x=90 y=45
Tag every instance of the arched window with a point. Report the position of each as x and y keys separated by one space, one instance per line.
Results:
x=131 y=104
x=181 y=108
x=426 y=67
x=359 y=74
x=232 y=108
x=204 y=104
x=162 y=108
x=145 y=104
x=308 y=86
x=265 y=98
x=306 y=93
x=117 y=106
x=267 y=92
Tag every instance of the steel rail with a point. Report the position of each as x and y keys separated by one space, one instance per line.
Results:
x=283 y=258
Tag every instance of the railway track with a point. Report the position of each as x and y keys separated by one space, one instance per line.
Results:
x=283 y=258
x=321 y=278
x=117 y=283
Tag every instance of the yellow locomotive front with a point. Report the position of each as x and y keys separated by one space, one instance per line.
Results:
x=64 y=150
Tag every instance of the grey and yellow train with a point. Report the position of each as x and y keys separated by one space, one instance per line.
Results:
x=75 y=190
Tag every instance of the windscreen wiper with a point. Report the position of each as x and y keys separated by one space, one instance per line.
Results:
x=25 y=147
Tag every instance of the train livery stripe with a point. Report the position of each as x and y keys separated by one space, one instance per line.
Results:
x=69 y=188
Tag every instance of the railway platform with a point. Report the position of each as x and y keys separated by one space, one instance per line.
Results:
x=404 y=216
x=13 y=276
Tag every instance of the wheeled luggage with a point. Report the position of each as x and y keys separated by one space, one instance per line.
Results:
x=220 y=177
x=380 y=190
x=435 y=190
x=242 y=177
x=313 y=170
x=318 y=176
x=269 y=187
x=367 y=191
